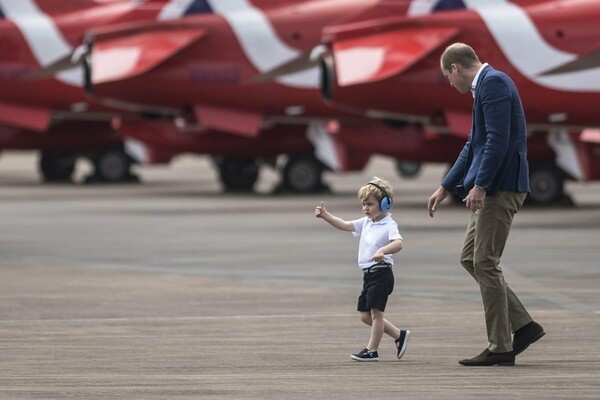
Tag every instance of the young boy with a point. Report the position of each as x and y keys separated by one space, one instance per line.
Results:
x=379 y=239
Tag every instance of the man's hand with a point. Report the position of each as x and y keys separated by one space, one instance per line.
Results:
x=436 y=198
x=475 y=199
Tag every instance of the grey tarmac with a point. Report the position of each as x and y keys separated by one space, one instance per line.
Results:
x=173 y=289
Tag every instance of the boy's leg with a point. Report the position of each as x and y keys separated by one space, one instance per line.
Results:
x=376 y=289
x=365 y=318
x=377 y=329
x=388 y=327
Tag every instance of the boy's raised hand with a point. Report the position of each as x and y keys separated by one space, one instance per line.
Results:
x=320 y=210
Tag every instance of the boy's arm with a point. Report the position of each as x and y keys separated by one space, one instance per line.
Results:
x=337 y=222
x=392 y=247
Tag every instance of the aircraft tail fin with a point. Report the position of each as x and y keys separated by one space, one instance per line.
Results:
x=123 y=51
x=118 y=55
x=380 y=56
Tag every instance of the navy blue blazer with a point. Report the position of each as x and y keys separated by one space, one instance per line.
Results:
x=495 y=155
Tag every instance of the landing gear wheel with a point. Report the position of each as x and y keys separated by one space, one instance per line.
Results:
x=57 y=166
x=237 y=174
x=303 y=173
x=408 y=169
x=547 y=183
x=112 y=165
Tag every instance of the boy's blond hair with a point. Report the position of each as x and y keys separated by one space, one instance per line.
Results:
x=372 y=190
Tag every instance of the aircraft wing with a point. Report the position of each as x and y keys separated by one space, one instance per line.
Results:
x=378 y=56
x=33 y=118
x=459 y=123
x=123 y=57
x=239 y=122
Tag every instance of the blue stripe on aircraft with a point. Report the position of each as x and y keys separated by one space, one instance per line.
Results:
x=199 y=7
x=445 y=5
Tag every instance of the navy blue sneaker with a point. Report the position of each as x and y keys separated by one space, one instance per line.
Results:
x=365 y=355
x=402 y=343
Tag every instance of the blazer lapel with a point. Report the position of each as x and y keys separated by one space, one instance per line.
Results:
x=479 y=83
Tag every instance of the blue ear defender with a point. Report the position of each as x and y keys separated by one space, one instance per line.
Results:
x=385 y=204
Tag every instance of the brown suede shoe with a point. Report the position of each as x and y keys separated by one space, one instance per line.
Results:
x=487 y=358
x=526 y=336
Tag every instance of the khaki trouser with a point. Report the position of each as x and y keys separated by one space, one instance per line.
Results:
x=484 y=242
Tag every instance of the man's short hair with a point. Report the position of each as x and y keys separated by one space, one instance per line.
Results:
x=458 y=53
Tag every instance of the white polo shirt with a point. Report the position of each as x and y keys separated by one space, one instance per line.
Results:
x=373 y=236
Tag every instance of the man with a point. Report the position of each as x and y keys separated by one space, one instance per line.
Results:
x=492 y=175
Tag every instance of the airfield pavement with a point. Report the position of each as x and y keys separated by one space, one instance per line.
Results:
x=171 y=289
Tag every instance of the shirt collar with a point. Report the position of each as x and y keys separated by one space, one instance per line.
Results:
x=476 y=79
x=382 y=220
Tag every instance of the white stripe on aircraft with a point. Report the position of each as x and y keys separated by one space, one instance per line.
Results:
x=174 y=9
x=43 y=37
x=47 y=42
x=526 y=49
x=421 y=7
x=566 y=152
x=260 y=42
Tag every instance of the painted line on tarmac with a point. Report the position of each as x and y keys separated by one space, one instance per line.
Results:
x=201 y=318
x=172 y=319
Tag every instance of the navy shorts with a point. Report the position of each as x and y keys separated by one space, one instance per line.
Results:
x=377 y=286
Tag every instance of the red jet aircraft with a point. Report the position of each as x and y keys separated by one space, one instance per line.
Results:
x=382 y=63
x=194 y=71
x=385 y=64
x=53 y=114
x=197 y=71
